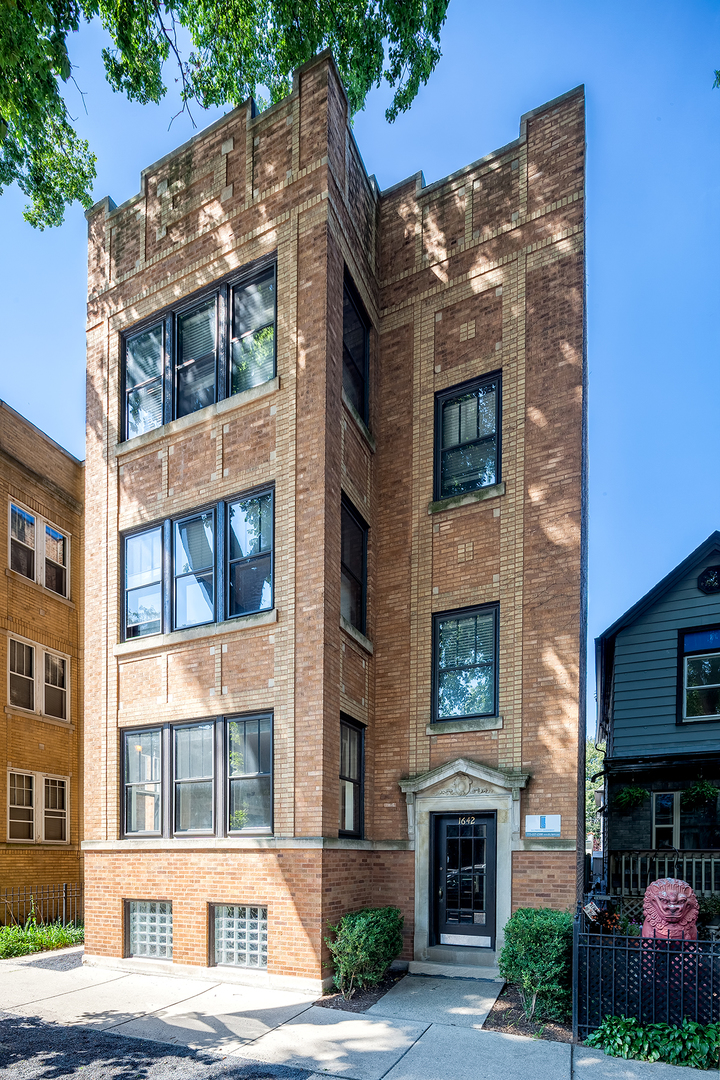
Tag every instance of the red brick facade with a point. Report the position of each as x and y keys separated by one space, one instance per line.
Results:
x=478 y=273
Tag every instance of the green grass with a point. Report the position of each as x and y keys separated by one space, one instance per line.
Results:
x=30 y=938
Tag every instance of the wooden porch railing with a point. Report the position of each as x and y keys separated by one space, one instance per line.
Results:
x=630 y=872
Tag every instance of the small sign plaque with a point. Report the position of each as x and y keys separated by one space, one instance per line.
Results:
x=537 y=825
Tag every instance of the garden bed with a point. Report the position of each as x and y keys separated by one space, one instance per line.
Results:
x=362 y=998
x=34 y=938
x=507 y=1015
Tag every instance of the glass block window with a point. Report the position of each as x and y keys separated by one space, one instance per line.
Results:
x=22 y=675
x=466 y=438
x=249 y=766
x=144 y=381
x=241 y=935
x=195 y=366
x=253 y=333
x=250 y=555
x=22 y=542
x=465 y=658
x=150 y=929
x=143 y=583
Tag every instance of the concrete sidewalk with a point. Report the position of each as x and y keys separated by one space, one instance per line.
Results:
x=425 y=1028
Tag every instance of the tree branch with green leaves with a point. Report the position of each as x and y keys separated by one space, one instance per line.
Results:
x=238 y=47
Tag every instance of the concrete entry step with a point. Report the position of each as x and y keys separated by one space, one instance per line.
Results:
x=455 y=971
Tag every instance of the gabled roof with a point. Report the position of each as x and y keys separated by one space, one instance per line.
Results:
x=700 y=553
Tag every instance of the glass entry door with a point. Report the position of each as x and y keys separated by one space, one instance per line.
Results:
x=464 y=879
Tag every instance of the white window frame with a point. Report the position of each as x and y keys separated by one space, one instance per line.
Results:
x=39 y=807
x=40 y=524
x=39 y=680
x=676 y=818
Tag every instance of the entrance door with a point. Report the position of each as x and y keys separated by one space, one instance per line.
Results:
x=464 y=879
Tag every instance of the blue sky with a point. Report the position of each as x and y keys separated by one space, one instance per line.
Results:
x=653 y=216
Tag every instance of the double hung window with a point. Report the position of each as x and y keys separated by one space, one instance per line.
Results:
x=208 y=566
x=467 y=423
x=353 y=566
x=37 y=808
x=192 y=356
x=38 y=679
x=465 y=669
x=38 y=550
x=682 y=827
x=351 y=777
x=211 y=777
x=355 y=351
x=701 y=674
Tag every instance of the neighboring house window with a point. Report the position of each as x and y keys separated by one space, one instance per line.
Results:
x=466 y=437
x=353 y=564
x=143 y=779
x=686 y=829
x=37 y=808
x=249 y=768
x=666 y=820
x=355 y=352
x=190 y=357
x=38 y=550
x=39 y=679
x=465 y=669
x=351 y=777
x=174 y=570
x=240 y=935
x=701 y=674
x=149 y=929
x=186 y=798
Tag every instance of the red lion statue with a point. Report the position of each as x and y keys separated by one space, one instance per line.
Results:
x=671 y=909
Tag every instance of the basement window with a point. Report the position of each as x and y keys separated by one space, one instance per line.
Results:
x=149 y=929
x=240 y=935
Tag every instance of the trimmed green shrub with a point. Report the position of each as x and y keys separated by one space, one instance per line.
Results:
x=30 y=938
x=537 y=957
x=365 y=944
x=688 y=1044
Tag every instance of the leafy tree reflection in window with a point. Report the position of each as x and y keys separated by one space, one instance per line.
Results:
x=143 y=381
x=143 y=583
x=251 y=522
x=702 y=675
x=468 y=433
x=466 y=665
x=249 y=748
x=195 y=570
x=253 y=340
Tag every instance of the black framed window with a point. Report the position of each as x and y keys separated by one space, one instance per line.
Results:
x=467 y=424
x=208 y=566
x=352 y=747
x=211 y=776
x=143 y=583
x=194 y=777
x=188 y=357
x=353 y=566
x=356 y=340
x=250 y=526
x=194 y=570
x=142 y=756
x=144 y=354
x=465 y=667
x=252 y=346
x=700 y=674
x=249 y=773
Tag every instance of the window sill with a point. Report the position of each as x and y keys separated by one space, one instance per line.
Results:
x=467 y=499
x=218 y=409
x=453 y=727
x=153 y=642
x=13 y=710
x=14 y=576
x=364 y=642
x=364 y=430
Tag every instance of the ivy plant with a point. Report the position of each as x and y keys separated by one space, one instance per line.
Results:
x=628 y=798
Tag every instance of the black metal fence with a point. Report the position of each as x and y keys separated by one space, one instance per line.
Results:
x=651 y=979
x=51 y=903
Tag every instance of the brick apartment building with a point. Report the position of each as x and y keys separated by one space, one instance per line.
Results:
x=335 y=558
x=42 y=492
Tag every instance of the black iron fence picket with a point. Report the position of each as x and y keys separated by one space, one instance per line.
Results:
x=651 y=979
x=51 y=903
